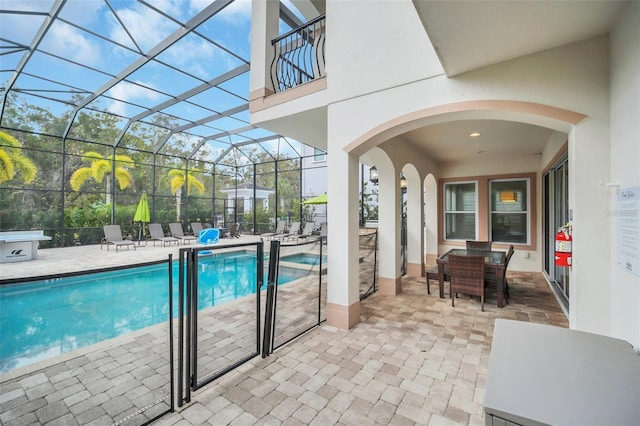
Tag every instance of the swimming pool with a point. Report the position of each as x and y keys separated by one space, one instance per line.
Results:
x=304 y=258
x=42 y=319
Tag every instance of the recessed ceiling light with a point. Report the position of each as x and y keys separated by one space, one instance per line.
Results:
x=474 y=134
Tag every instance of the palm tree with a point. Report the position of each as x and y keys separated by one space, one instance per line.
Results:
x=12 y=161
x=180 y=178
x=100 y=168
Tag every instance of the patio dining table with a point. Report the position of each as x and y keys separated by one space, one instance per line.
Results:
x=493 y=261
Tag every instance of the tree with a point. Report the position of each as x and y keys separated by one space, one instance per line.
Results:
x=181 y=178
x=102 y=167
x=12 y=161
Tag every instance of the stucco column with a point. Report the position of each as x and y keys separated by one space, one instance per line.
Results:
x=389 y=218
x=431 y=219
x=415 y=224
x=265 y=16
x=343 y=277
x=590 y=283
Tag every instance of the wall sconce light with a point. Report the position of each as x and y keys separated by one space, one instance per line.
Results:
x=508 y=196
x=373 y=175
x=403 y=183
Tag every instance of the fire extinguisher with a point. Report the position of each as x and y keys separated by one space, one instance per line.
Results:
x=563 y=246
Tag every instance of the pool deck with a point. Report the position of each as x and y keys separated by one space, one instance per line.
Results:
x=412 y=360
x=83 y=258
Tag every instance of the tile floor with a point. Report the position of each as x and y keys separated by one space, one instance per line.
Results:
x=413 y=359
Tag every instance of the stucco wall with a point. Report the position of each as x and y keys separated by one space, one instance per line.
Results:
x=390 y=45
x=625 y=161
x=573 y=77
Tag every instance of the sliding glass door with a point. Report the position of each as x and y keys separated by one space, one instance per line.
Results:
x=556 y=214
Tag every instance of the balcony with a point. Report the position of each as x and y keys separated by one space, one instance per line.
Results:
x=299 y=55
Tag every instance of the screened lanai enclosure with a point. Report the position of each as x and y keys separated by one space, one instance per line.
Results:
x=106 y=100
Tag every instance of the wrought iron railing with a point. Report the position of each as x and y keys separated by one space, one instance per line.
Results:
x=299 y=55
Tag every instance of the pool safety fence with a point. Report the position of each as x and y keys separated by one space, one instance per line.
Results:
x=298 y=306
x=121 y=380
x=216 y=340
x=368 y=246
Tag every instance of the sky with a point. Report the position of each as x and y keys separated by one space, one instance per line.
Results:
x=93 y=41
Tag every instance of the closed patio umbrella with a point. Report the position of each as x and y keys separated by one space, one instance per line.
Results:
x=320 y=199
x=142 y=214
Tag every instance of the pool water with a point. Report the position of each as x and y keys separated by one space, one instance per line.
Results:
x=305 y=258
x=42 y=319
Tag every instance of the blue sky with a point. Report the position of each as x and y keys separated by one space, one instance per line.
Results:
x=91 y=42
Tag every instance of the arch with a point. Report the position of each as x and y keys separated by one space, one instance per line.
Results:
x=526 y=112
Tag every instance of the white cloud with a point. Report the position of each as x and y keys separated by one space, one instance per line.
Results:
x=67 y=42
x=238 y=10
x=192 y=56
x=125 y=91
x=146 y=27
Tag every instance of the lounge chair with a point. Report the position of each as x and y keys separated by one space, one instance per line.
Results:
x=178 y=232
x=323 y=232
x=306 y=232
x=293 y=231
x=156 y=233
x=196 y=227
x=113 y=236
x=234 y=231
x=279 y=230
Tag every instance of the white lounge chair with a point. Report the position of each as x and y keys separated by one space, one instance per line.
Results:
x=156 y=233
x=196 y=227
x=294 y=230
x=178 y=232
x=279 y=230
x=113 y=236
x=306 y=232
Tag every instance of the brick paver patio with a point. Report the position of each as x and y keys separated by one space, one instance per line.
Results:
x=413 y=359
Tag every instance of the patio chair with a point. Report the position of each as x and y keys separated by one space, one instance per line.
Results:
x=294 y=230
x=434 y=274
x=196 y=227
x=234 y=230
x=306 y=232
x=479 y=245
x=177 y=232
x=490 y=276
x=156 y=233
x=279 y=230
x=323 y=232
x=466 y=276
x=113 y=236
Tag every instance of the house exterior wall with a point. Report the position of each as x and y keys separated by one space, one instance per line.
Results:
x=625 y=161
x=579 y=83
x=396 y=85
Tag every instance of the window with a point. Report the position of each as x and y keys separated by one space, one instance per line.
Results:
x=319 y=155
x=460 y=201
x=509 y=211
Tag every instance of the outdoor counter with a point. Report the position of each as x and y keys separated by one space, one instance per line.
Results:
x=544 y=375
x=17 y=246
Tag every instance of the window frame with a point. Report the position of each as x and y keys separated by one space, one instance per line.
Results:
x=482 y=214
x=319 y=156
x=446 y=212
x=526 y=212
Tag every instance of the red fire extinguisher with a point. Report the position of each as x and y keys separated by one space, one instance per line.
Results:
x=563 y=246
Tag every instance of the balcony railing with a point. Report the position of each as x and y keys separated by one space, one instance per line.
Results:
x=299 y=55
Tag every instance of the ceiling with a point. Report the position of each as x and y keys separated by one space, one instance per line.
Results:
x=468 y=35
x=450 y=141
